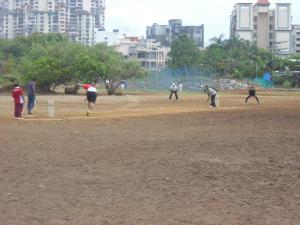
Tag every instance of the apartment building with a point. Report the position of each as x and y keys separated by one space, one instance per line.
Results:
x=85 y=17
x=148 y=52
x=151 y=54
x=165 y=34
x=161 y=33
x=108 y=38
x=75 y=18
x=176 y=25
x=268 y=28
x=196 y=33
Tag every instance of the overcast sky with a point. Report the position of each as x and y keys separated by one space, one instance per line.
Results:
x=132 y=16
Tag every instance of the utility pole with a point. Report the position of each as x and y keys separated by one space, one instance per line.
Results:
x=256 y=70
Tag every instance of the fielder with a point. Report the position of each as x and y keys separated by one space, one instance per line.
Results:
x=19 y=100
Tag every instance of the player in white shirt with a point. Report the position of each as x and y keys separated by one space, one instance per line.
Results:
x=211 y=93
x=173 y=90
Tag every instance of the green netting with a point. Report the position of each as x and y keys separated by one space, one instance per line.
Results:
x=191 y=79
x=262 y=82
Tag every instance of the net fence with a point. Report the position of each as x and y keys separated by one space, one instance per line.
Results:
x=192 y=79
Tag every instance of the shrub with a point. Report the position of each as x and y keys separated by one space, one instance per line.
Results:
x=288 y=84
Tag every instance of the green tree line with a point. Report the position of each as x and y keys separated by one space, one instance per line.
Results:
x=53 y=59
x=235 y=58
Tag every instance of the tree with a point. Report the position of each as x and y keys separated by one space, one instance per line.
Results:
x=88 y=69
x=51 y=65
x=217 y=41
x=235 y=57
x=53 y=60
x=47 y=71
x=184 y=53
x=124 y=71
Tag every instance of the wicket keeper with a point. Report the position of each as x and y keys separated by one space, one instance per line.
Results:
x=252 y=94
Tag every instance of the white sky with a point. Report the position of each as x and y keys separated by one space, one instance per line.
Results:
x=132 y=16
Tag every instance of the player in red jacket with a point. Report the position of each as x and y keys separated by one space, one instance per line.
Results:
x=91 y=96
x=19 y=100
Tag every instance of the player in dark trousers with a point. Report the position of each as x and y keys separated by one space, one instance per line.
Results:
x=91 y=96
x=252 y=94
x=31 y=95
x=211 y=93
x=173 y=90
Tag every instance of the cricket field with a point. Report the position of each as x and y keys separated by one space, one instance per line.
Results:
x=142 y=159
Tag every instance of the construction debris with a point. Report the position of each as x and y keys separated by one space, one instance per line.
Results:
x=231 y=84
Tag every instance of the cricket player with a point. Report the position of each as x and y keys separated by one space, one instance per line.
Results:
x=211 y=93
x=18 y=96
x=180 y=86
x=91 y=96
x=173 y=90
x=31 y=96
x=252 y=94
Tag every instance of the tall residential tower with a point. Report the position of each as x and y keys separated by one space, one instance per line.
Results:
x=296 y=37
x=75 y=18
x=267 y=28
x=165 y=34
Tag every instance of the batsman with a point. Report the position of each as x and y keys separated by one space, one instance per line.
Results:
x=211 y=93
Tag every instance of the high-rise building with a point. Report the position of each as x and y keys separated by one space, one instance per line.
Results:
x=76 y=18
x=85 y=17
x=165 y=34
x=196 y=33
x=161 y=33
x=267 y=28
x=176 y=25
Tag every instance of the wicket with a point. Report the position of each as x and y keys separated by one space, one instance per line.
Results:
x=51 y=108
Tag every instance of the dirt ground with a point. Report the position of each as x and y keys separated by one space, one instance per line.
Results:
x=145 y=160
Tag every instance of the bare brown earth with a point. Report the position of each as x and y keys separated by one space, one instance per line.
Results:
x=145 y=160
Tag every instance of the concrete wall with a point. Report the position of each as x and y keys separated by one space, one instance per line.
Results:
x=246 y=35
x=263 y=30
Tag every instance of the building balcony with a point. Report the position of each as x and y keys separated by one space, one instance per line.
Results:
x=148 y=60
